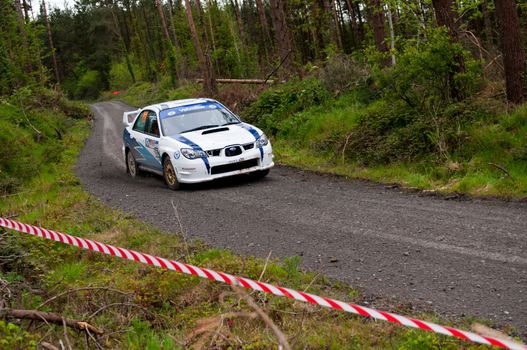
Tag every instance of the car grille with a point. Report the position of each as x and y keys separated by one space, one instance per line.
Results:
x=216 y=152
x=232 y=151
x=220 y=169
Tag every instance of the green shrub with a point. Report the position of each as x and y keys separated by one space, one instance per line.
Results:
x=13 y=337
x=32 y=123
x=277 y=104
x=427 y=75
x=120 y=77
x=89 y=86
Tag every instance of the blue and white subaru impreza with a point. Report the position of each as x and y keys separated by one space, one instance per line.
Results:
x=191 y=141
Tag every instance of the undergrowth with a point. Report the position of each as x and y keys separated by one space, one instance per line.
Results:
x=141 y=307
x=420 y=123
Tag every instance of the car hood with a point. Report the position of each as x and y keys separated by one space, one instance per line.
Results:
x=220 y=137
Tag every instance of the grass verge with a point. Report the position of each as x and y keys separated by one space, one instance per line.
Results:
x=140 y=307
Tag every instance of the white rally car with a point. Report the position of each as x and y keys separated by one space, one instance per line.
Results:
x=194 y=140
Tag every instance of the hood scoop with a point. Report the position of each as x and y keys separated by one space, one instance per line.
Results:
x=211 y=131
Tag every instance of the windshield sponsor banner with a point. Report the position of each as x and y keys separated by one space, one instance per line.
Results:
x=173 y=112
x=255 y=285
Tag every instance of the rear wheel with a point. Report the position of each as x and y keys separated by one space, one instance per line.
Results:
x=170 y=174
x=131 y=165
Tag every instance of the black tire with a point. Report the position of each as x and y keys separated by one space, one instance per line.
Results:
x=169 y=174
x=131 y=165
x=260 y=174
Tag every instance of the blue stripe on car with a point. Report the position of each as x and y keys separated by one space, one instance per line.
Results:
x=147 y=156
x=187 y=142
x=255 y=134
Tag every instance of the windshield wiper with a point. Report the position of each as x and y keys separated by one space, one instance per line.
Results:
x=230 y=123
x=199 y=128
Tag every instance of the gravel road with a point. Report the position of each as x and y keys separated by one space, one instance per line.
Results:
x=458 y=258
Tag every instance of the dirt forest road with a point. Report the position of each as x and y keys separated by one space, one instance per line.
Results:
x=458 y=258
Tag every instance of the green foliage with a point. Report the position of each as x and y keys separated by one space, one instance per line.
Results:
x=141 y=336
x=419 y=116
x=14 y=338
x=277 y=104
x=427 y=74
x=89 y=85
x=142 y=94
x=292 y=268
x=20 y=52
x=32 y=123
x=120 y=77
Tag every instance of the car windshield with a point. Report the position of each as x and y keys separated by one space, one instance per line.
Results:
x=201 y=116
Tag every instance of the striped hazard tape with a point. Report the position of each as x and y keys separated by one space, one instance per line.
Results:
x=256 y=285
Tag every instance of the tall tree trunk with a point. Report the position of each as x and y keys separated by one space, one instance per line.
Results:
x=174 y=72
x=353 y=23
x=211 y=28
x=209 y=83
x=263 y=21
x=392 y=34
x=487 y=24
x=336 y=24
x=330 y=22
x=23 y=32
x=376 y=16
x=235 y=6
x=26 y=8
x=282 y=33
x=512 y=49
x=361 y=22
x=445 y=16
x=51 y=46
x=121 y=40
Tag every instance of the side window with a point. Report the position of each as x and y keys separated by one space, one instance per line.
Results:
x=152 y=125
x=141 y=122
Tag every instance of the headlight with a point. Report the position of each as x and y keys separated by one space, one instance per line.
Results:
x=190 y=153
x=262 y=141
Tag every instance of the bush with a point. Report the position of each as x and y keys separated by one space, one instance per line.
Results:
x=277 y=104
x=342 y=73
x=32 y=123
x=89 y=85
x=120 y=77
x=426 y=74
x=419 y=116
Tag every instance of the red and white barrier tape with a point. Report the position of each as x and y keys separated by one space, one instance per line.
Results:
x=256 y=285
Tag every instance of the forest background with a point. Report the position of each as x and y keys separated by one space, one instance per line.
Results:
x=426 y=94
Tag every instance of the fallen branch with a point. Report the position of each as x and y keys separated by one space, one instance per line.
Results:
x=240 y=81
x=49 y=317
x=489 y=332
x=48 y=346
x=501 y=168
x=282 y=340
x=117 y=304
x=70 y=291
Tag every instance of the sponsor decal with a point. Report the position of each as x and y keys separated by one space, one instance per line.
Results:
x=177 y=154
x=149 y=143
x=167 y=113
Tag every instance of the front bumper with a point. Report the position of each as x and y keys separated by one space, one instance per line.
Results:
x=216 y=167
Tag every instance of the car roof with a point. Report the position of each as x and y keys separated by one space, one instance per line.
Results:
x=178 y=103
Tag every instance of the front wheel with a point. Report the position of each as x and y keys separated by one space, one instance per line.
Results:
x=170 y=174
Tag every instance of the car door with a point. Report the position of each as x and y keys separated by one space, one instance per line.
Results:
x=145 y=141
x=151 y=142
